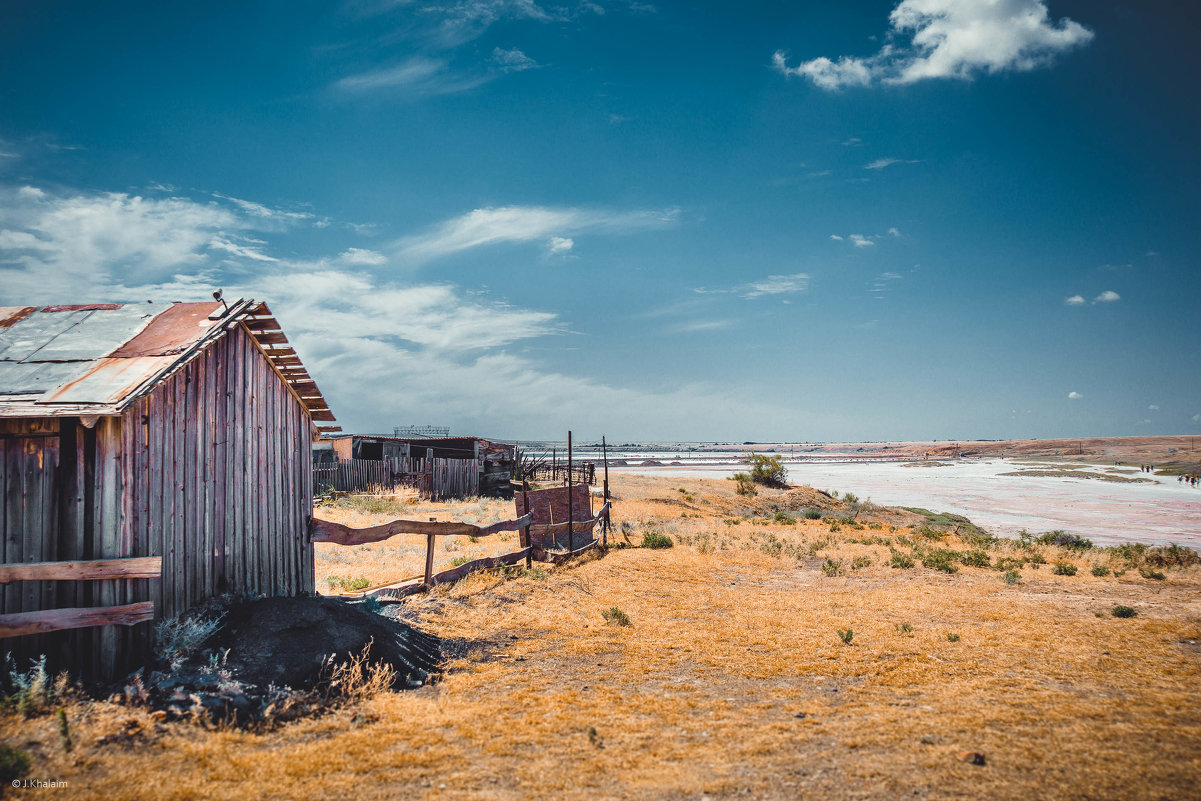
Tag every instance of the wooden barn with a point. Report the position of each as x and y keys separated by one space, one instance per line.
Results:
x=495 y=461
x=151 y=456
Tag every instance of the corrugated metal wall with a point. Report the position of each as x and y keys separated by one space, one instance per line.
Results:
x=212 y=471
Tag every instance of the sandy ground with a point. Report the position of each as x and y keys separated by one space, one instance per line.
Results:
x=731 y=681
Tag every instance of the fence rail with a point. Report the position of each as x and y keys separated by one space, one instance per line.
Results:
x=19 y=624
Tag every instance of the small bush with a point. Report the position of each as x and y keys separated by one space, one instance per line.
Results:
x=1004 y=563
x=903 y=628
x=1150 y=573
x=784 y=518
x=1037 y=559
x=1124 y=611
x=460 y=560
x=1064 y=569
x=34 y=691
x=952 y=637
x=177 y=638
x=656 y=539
x=1065 y=540
x=940 y=559
x=901 y=560
x=767 y=470
x=832 y=567
x=14 y=764
x=358 y=679
x=1172 y=556
x=1100 y=571
x=744 y=485
x=846 y=635
x=615 y=616
x=811 y=514
x=1132 y=553
x=975 y=558
x=1012 y=577
x=860 y=562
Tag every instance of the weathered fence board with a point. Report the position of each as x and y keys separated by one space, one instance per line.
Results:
x=327 y=531
x=435 y=478
x=24 y=623
x=133 y=568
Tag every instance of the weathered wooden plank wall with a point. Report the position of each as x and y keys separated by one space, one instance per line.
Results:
x=439 y=478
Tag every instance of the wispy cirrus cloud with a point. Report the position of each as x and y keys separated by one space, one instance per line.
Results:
x=417 y=75
x=776 y=285
x=515 y=224
x=949 y=39
x=880 y=164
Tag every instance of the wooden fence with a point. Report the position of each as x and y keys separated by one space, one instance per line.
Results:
x=532 y=537
x=434 y=478
x=20 y=624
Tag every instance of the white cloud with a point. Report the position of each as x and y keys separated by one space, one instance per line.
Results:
x=512 y=60
x=950 y=39
x=880 y=285
x=362 y=256
x=698 y=326
x=1153 y=408
x=491 y=226
x=416 y=76
x=880 y=164
x=241 y=251
x=893 y=232
x=1197 y=418
x=776 y=285
x=31 y=193
x=1108 y=296
x=266 y=212
x=1075 y=395
x=836 y=237
x=1075 y=300
x=862 y=241
x=560 y=244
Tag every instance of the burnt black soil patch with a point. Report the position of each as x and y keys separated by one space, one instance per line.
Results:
x=272 y=659
x=286 y=641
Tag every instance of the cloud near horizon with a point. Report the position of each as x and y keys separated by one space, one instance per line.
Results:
x=949 y=39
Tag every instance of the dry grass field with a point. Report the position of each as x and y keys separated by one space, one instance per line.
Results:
x=731 y=679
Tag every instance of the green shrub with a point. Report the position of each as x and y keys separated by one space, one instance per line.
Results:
x=1065 y=540
x=785 y=518
x=1100 y=570
x=1172 y=556
x=615 y=616
x=355 y=584
x=744 y=485
x=1037 y=558
x=34 y=691
x=656 y=539
x=952 y=637
x=1064 y=569
x=903 y=628
x=1004 y=563
x=940 y=559
x=846 y=635
x=975 y=558
x=860 y=562
x=177 y=638
x=1150 y=573
x=1012 y=577
x=766 y=470
x=14 y=764
x=1124 y=611
x=1132 y=553
x=832 y=567
x=460 y=560
x=811 y=514
x=901 y=560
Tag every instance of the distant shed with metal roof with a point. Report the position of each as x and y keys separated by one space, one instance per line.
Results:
x=173 y=434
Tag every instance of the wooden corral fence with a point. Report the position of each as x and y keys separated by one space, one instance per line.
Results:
x=43 y=621
x=433 y=478
x=538 y=540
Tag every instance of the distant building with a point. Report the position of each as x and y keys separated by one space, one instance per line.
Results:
x=421 y=431
x=496 y=460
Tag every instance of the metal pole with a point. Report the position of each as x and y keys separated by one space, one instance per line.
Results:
x=570 y=505
x=525 y=503
x=605 y=527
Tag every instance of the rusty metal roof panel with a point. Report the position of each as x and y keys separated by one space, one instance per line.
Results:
x=108 y=380
x=173 y=331
x=96 y=334
x=28 y=335
x=36 y=378
x=10 y=314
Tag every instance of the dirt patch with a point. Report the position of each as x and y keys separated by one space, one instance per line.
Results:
x=285 y=641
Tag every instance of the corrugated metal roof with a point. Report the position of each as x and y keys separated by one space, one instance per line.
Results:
x=98 y=358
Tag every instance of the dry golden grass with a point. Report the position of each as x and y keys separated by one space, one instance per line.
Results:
x=703 y=694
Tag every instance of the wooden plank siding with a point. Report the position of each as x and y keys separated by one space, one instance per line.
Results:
x=211 y=471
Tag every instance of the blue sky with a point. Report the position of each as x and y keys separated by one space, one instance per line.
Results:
x=943 y=219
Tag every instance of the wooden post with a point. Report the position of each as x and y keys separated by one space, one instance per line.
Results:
x=570 y=505
x=525 y=497
x=429 y=558
x=554 y=464
x=605 y=527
